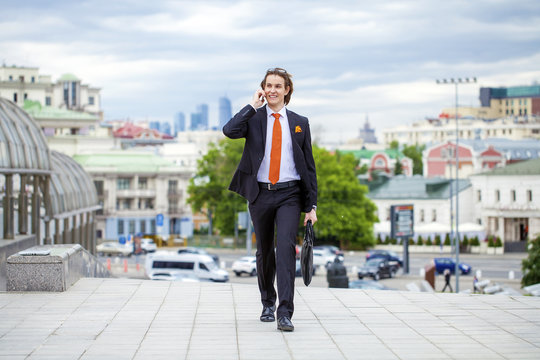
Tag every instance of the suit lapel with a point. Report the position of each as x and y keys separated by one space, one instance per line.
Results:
x=292 y=124
x=264 y=125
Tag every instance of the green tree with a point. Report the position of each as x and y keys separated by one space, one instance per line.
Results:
x=362 y=170
x=208 y=190
x=531 y=265
x=344 y=211
x=398 y=168
x=394 y=144
x=414 y=152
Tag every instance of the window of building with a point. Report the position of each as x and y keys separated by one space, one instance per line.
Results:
x=126 y=204
x=173 y=186
x=153 y=226
x=100 y=210
x=497 y=195
x=47 y=100
x=66 y=93
x=422 y=215
x=479 y=195
x=146 y=203
x=143 y=183
x=99 y=187
x=90 y=100
x=529 y=196
x=513 y=195
x=143 y=226
x=10 y=77
x=509 y=131
x=14 y=97
x=131 y=226
x=123 y=183
x=74 y=93
x=524 y=112
x=25 y=96
x=33 y=79
x=120 y=226
x=434 y=215
x=479 y=221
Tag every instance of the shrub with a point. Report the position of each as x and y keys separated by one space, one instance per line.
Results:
x=491 y=241
x=447 y=240
x=429 y=242
x=465 y=241
x=393 y=241
x=387 y=240
x=420 y=241
x=475 y=241
x=379 y=240
x=531 y=265
x=437 y=240
x=498 y=242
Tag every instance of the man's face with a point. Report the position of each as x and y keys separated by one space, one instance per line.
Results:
x=275 y=91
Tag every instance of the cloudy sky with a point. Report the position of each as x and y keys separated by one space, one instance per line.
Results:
x=349 y=59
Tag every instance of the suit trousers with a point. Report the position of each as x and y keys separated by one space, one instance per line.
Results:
x=279 y=210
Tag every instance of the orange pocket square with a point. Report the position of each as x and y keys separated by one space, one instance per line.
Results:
x=297 y=129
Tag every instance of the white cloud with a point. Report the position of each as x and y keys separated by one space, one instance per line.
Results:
x=153 y=59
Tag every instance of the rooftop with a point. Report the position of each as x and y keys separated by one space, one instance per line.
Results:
x=416 y=187
x=529 y=167
x=38 y=111
x=142 y=319
x=368 y=154
x=125 y=162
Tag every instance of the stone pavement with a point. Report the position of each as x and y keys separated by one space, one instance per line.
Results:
x=143 y=319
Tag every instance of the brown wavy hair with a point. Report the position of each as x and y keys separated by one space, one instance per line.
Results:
x=285 y=76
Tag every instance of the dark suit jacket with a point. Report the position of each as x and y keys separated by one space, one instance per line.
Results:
x=251 y=124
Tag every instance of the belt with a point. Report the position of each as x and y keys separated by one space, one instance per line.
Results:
x=277 y=186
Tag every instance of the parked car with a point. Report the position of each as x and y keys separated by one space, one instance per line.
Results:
x=245 y=265
x=200 y=266
x=385 y=254
x=332 y=248
x=367 y=285
x=196 y=250
x=298 y=271
x=114 y=248
x=324 y=257
x=148 y=245
x=173 y=276
x=377 y=268
x=442 y=264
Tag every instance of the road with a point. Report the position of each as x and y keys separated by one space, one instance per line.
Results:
x=491 y=266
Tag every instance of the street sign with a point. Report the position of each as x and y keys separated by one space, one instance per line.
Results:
x=402 y=221
x=159 y=220
x=402 y=226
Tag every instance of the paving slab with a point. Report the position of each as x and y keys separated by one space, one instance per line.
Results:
x=141 y=319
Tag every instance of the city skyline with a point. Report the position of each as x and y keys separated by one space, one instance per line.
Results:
x=348 y=59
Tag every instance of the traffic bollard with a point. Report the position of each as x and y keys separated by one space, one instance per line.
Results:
x=125 y=265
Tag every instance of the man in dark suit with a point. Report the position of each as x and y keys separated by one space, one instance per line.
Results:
x=277 y=176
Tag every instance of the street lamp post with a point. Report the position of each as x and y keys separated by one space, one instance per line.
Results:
x=456 y=82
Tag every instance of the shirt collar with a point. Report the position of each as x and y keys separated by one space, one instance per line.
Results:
x=282 y=112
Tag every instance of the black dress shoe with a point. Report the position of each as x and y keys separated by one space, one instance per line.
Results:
x=268 y=314
x=285 y=324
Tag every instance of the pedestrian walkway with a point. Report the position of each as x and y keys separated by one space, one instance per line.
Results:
x=143 y=319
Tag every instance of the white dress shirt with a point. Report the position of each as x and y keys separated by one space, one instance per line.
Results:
x=287 y=171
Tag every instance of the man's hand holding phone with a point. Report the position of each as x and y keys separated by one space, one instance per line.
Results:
x=258 y=99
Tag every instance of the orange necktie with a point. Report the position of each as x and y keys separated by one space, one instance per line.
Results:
x=275 y=153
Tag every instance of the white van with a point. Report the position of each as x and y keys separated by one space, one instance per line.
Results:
x=202 y=266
